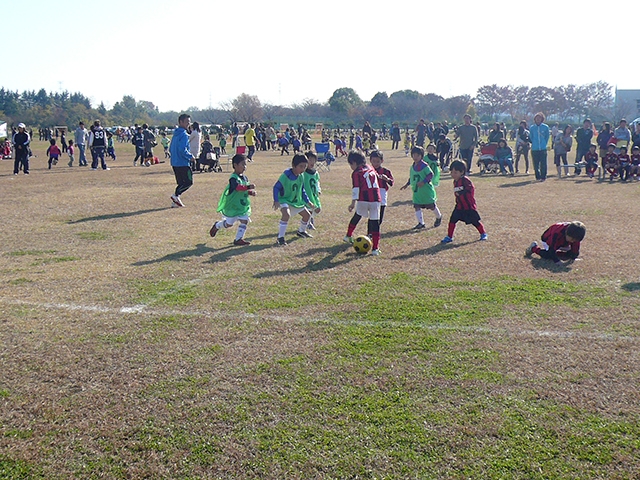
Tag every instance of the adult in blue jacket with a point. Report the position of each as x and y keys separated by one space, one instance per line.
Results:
x=181 y=159
x=539 y=135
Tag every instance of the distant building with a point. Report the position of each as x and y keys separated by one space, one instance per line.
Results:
x=627 y=103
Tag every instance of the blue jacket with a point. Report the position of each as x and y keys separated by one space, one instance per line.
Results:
x=179 y=148
x=539 y=135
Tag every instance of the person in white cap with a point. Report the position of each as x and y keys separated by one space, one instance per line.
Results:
x=21 y=142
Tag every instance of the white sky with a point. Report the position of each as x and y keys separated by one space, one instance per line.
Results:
x=200 y=53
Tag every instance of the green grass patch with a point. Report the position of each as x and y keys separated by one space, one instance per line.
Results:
x=11 y=469
x=165 y=292
x=19 y=281
x=46 y=261
x=94 y=235
x=22 y=253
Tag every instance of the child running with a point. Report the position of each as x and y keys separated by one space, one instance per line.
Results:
x=111 y=152
x=312 y=186
x=70 y=151
x=385 y=179
x=424 y=193
x=366 y=192
x=561 y=241
x=54 y=153
x=466 y=209
x=234 y=203
x=165 y=144
x=290 y=197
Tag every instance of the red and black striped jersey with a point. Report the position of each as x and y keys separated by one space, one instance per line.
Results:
x=465 y=194
x=556 y=237
x=365 y=184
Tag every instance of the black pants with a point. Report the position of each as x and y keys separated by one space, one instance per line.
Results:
x=184 y=179
x=22 y=158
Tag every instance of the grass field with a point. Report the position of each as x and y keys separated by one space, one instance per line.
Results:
x=135 y=346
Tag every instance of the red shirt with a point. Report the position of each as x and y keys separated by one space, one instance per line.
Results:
x=53 y=150
x=365 y=179
x=611 y=159
x=635 y=159
x=384 y=185
x=556 y=237
x=465 y=194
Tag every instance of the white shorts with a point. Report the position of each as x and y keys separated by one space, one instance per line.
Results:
x=231 y=220
x=383 y=196
x=370 y=210
x=292 y=210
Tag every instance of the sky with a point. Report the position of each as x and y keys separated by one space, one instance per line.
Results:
x=203 y=53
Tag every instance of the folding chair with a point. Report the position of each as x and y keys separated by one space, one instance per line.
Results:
x=322 y=149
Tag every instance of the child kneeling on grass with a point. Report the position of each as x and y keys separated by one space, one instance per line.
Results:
x=466 y=209
x=561 y=241
x=290 y=197
x=234 y=202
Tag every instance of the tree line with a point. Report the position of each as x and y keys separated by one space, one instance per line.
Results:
x=491 y=102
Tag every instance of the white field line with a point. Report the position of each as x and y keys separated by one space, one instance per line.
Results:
x=145 y=310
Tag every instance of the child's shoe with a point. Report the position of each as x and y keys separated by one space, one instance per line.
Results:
x=529 y=251
x=375 y=252
x=302 y=234
x=347 y=239
x=281 y=242
x=213 y=230
x=447 y=239
x=484 y=236
x=419 y=226
x=241 y=242
x=437 y=223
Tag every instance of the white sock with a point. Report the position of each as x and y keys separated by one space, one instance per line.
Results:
x=419 y=216
x=220 y=224
x=282 y=228
x=437 y=212
x=242 y=228
x=303 y=226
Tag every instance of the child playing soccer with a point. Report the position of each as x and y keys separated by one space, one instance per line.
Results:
x=366 y=192
x=465 y=209
x=610 y=162
x=70 y=151
x=312 y=186
x=560 y=241
x=234 y=203
x=111 y=152
x=385 y=179
x=424 y=193
x=635 y=161
x=591 y=159
x=54 y=153
x=432 y=160
x=290 y=197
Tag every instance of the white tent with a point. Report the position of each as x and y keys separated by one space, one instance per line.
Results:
x=3 y=129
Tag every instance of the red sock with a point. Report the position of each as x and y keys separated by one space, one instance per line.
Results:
x=375 y=239
x=351 y=229
x=536 y=249
x=451 y=229
x=480 y=228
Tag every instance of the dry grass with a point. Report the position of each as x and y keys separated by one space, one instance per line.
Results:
x=258 y=361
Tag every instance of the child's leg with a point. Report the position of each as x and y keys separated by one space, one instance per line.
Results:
x=284 y=221
x=450 y=229
x=419 y=215
x=353 y=223
x=242 y=228
x=50 y=162
x=382 y=208
x=373 y=228
x=480 y=227
x=304 y=223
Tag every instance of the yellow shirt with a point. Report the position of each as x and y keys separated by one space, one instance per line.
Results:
x=250 y=137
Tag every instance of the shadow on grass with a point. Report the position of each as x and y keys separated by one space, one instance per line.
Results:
x=543 y=264
x=117 y=215
x=517 y=184
x=199 y=250
x=327 y=262
x=433 y=250
x=399 y=203
x=631 y=287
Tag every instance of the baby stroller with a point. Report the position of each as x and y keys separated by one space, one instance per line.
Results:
x=209 y=157
x=487 y=161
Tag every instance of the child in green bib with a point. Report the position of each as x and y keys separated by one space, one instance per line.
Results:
x=290 y=197
x=234 y=202
x=312 y=186
x=421 y=182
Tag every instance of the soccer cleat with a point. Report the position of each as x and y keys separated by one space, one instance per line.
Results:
x=176 y=199
x=94 y=168
x=240 y=242
x=375 y=252
x=438 y=222
x=346 y=239
x=311 y=226
x=135 y=164
x=106 y=168
x=484 y=236
x=213 y=230
x=447 y=239
x=419 y=226
x=174 y=205
x=281 y=242
x=529 y=251
x=302 y=234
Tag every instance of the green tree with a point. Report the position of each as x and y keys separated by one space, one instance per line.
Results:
x=344 y=100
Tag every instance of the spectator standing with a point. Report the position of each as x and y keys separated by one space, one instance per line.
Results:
x=195 y=139
x=81 y=137
x=539 y=133
x=468 y=137
x=181 y=159
x=584 y=134
x=395 y=136
x=421 y=133
x=523 y=145
x=622 y=135
x=21 y=141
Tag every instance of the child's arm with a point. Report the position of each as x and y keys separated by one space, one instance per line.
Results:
x=278 y=189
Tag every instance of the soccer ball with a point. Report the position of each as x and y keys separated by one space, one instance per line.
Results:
x=362 y=244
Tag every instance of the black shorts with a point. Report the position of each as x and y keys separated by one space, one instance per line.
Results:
x=469 y=217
